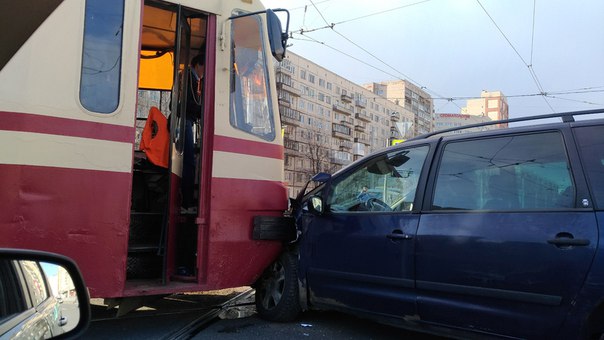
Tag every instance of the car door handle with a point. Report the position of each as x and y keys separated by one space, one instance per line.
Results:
x=399 y=235
x=568 y=242
x=565 y=239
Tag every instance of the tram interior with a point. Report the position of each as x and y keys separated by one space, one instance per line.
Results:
x=168 y=43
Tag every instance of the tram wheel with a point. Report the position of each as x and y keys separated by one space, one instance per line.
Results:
x=277 y=296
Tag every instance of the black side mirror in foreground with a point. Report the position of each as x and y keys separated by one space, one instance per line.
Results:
x=41 y=294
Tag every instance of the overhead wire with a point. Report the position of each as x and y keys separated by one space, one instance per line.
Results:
x=331 y=25
x=574 y=100
x=300 y=7
x=549 y=94
x=317 y=9
x=373 y=55
x=541 y=93
x=533 y=30
x=452 y=100
x=457 y=98
x=584 y=90
x=529 y=66
x=346 y=54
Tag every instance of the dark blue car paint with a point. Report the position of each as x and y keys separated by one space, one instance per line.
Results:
x=492 y=272
x=488 y=276
x=352 y=260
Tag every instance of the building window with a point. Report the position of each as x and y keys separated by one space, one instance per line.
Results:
x=303 y=74
x=328 y=85
x=102 y=55
x=311 y=78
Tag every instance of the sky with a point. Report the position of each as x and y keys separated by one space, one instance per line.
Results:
x=457 y=48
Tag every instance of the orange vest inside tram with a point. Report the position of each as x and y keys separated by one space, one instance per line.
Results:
x=156 y=138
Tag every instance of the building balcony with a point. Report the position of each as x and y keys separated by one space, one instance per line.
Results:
x=345 y=145
x=339 y=161
x=360 y=126
x=362 y=139
x=286 y=87
x=341 y=131
x=291 y=146
x=284 y=102
x=363 y=116
x=342 y=109
x=348 y=121
x=395 y=116
x=361 y=102
x=290 y=116
x=338 y=134
x=358 y=150
x=284 y=70
x=347 y=98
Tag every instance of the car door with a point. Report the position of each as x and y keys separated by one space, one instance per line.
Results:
x=509 y=237
x=358 y=253
x=25 y=295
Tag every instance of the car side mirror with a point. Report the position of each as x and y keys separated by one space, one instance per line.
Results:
x=41 y=291
x=315 y=205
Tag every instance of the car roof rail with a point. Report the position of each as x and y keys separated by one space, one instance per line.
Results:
x=567 y=117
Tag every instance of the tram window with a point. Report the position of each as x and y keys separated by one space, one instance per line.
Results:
x=102 y=55
x=251 y=109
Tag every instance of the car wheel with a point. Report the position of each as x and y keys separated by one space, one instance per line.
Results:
x=277 y=296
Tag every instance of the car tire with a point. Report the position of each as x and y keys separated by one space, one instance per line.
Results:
x=277 y=296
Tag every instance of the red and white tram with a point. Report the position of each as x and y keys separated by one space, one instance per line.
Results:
x=96 y=139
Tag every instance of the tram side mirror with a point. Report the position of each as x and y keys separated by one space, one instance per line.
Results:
x=41 y=293
x=277 y=38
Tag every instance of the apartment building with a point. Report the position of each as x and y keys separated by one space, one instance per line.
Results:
x=444 y=121
x=411 y=97
x=490 y=104
x=329 y=121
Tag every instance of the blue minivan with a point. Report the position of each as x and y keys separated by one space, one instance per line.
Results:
x=493 y=233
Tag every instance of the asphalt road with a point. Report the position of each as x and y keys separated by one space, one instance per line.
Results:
x=310 y=325
x=165 y=318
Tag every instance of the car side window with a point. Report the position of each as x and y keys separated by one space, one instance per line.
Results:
x=36 y=283
x=387 y=182
x=505 y=173
x=12 y=300
x=591 y=146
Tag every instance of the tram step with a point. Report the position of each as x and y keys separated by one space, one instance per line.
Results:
x=144 y=213
x=144 y=265
x=140 y=248
x=145 y=228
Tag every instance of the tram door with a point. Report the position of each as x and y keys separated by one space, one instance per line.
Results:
x=162 y=244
